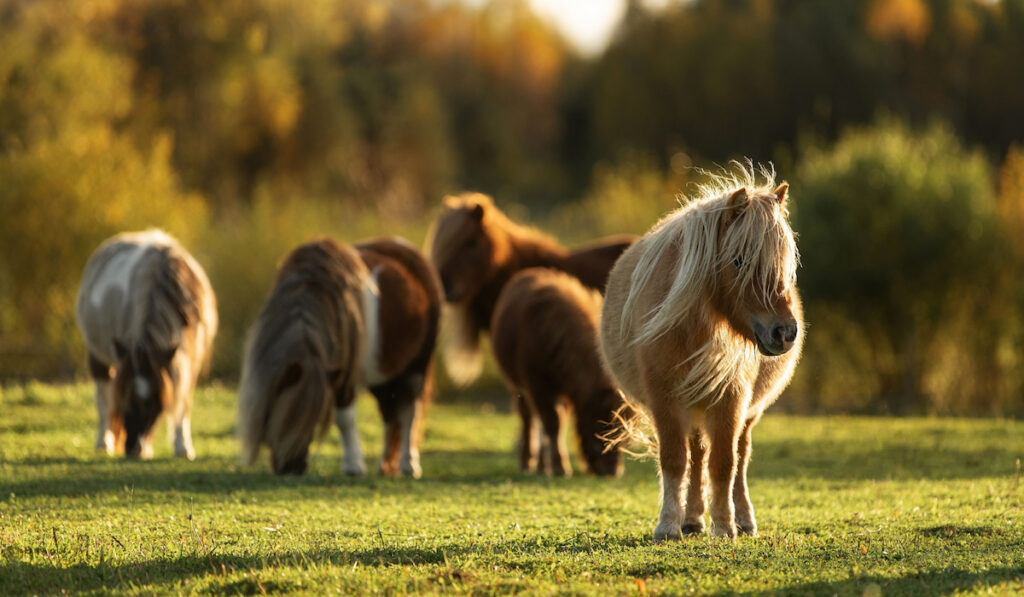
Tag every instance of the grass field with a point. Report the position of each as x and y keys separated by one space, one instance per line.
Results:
x=848 y=506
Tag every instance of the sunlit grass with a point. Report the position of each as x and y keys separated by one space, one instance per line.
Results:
x=910 y=505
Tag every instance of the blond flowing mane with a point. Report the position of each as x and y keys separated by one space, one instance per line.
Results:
x=759 y=239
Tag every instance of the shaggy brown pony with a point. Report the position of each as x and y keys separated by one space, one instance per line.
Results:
x=477 y=249
x=544 y=334
x=148 y=316
x=702 y=323
x=340 y=318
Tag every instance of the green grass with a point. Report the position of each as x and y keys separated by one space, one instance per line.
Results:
x=847 y=506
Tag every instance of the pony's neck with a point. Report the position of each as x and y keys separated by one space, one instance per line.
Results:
x=522 y=248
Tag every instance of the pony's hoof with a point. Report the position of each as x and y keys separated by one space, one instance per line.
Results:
x=749 y=530
x=724 y=530
x=693 y=528
x=354 y=471
x=667 y=532
x=186 y=454
x=412 y=471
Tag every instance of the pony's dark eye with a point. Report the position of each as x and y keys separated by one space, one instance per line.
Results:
x=738 y=262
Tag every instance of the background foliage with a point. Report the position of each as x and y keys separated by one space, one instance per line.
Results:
x=246 y=127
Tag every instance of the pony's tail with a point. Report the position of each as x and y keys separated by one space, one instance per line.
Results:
x=460 y=346
x=284 y=397
x=632 y=431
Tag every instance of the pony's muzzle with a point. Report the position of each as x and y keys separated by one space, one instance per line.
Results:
x=776 y=339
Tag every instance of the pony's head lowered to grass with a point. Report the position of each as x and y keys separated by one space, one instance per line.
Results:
x=736 y=261
x=143 y=388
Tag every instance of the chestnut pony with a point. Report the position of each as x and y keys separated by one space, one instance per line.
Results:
x=148 y=316
x=544 y=335
x=702 y=324
x=340 y=318
x=477 y=249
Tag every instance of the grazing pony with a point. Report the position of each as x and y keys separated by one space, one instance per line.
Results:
x=702 y=323
x=340 y=318
x=544 y=335
x=477 y=249
x=148 y=316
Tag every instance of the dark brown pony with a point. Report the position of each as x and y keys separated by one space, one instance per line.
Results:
x=148 y=316
x=544 y=335
x=341 y=318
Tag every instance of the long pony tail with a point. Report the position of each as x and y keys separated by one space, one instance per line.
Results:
x=460 y=346
x=285 y=405
x=633 y=431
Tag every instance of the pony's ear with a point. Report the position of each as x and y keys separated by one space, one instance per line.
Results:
x=477 y=212
x=166 y=355
x=781 y=193
x=120 y=351
x=737 y=201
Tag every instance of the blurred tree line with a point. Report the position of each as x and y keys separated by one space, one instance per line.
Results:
x=246 y=126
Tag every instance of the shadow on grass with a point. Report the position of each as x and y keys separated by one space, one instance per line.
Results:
x=32 y=578
x=932 y=582
x=21 y=577
x=223 y=475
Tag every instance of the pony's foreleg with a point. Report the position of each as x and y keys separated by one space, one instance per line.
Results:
x=723 y=427
x=745 y=521
x=693 y=520
x=101 y=374
x=671 y=423
x=345 y=419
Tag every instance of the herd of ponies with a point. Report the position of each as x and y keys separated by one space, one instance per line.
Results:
x=694 y=328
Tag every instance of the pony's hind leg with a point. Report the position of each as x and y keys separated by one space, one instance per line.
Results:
x=723 y=428
x=409 y=418
x=693 y=519
x=528 y=435
x=401 y=407
x=671 y=423
x=392 y=442
x=553 y=417
x=745 y=521
x=182 y=420
x=102 y=375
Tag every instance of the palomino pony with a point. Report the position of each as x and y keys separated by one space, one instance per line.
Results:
x=701 y=323
x=340 y=318
x=544 y=334
x=148 y=316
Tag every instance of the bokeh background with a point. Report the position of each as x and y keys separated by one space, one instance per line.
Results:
x=245 y=127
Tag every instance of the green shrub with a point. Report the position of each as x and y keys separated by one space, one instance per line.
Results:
x=61 y=198
x=901 y=244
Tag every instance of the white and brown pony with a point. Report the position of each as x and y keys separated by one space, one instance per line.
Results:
x=148 y=316
x=702 y=323
x=544 y=336
x=340 y=318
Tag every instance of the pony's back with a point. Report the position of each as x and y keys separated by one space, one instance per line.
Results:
x=306 y=342
x=144 y=287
